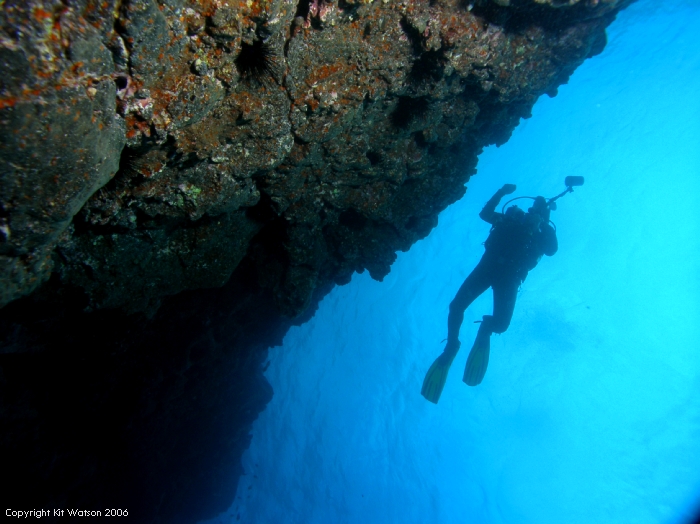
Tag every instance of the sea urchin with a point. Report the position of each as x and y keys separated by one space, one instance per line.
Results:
x=258 y=62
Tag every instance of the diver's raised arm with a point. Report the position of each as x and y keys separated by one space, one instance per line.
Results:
x=487 y=214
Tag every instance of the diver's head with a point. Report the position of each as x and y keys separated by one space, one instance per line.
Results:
x=540 y=207
x=514 y=211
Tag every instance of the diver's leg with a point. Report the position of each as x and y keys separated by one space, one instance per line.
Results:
x=474 y=285
x=505 y=290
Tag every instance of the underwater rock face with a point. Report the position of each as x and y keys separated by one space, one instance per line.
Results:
x=153 y=147
x=146 y=145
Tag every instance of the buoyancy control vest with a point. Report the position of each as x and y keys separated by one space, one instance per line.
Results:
x=513 y=241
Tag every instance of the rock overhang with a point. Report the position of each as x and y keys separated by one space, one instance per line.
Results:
x=143 y=137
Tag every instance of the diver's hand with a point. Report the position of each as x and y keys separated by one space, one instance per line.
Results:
x=507 y=189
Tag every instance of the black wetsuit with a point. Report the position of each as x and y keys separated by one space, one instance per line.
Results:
x=515 y=245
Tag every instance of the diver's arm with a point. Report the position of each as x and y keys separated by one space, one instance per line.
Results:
x=489 y=212
x=548 y=240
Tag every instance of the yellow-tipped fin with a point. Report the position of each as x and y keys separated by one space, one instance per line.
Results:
x=435 y=378
x=477 y=362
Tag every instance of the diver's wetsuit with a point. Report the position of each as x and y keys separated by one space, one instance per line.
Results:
x=516 y=243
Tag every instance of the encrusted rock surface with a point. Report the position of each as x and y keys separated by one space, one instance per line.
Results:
x=145 y=144
x=150 y=147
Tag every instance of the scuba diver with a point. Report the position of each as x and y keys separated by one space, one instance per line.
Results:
x=514 y=246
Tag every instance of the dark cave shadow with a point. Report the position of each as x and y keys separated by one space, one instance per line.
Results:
x=105 y=410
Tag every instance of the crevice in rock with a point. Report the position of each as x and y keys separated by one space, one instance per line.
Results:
x=429 y=66
x=302 y=9
x=413 y=35
x=352 y=219
x=407 y=110
x=374 y=157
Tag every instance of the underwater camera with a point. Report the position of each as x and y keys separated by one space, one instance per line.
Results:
x=570 y=182
x=573 y=181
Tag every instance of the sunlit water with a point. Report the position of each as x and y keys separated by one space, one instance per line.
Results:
x=590 y=409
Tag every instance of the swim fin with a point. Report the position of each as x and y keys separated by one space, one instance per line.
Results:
x=436 y=376
x=478 y=360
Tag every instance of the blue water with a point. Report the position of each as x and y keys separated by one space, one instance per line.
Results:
x=590 y=409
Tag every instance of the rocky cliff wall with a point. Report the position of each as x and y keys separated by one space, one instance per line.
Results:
x=259 y=152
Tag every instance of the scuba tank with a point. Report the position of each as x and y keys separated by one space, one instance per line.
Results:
x=510 y=240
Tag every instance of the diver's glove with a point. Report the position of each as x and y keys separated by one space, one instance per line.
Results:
x=507 y=189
